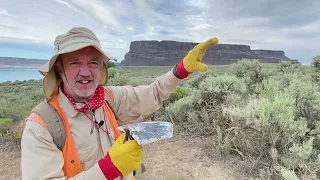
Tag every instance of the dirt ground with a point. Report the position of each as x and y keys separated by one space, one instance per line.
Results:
x=9 y=163
x=187 y=159
x=179 y=158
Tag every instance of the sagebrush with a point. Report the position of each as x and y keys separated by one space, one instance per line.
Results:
x=265 y=113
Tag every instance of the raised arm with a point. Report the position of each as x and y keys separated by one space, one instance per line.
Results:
x=132 y=103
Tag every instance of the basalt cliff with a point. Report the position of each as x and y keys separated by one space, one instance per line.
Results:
x=168 y=53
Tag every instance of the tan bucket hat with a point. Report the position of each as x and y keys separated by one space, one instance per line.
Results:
x=73 y=40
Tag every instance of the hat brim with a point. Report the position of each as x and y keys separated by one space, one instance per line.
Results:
x=44 y=69
x=50 y=82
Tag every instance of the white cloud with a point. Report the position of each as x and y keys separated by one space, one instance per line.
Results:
x=197 y=3
x=130 y=29
x=102 y=12
x=68 y=5
x=4 y=12
x=117 y=23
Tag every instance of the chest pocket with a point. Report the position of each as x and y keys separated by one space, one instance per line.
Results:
x=88 y=155
x=87 y=144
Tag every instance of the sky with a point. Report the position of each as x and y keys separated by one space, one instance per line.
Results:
x=28 y=28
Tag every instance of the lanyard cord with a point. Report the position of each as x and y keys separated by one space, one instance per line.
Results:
x=106 y=131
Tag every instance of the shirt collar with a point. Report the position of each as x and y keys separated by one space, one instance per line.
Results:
x=66 y=105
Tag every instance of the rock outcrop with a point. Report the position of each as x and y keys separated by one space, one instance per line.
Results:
x=168 y=53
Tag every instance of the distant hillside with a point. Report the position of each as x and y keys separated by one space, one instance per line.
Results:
x=164 y=53
x=23 y=62
x=14 y=61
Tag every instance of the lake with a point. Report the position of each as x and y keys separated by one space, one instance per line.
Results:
x=19 y=73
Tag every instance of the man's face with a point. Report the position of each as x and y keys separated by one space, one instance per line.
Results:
x=80 y=72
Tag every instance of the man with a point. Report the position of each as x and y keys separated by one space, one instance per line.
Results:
x=75 y=85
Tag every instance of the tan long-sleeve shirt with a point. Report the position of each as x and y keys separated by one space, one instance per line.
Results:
x=41 y=159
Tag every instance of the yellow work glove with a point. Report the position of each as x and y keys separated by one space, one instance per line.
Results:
x=193 y=60
x=122 y=158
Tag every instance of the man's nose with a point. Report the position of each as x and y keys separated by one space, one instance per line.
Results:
x=84 y=71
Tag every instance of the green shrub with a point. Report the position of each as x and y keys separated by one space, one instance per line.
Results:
x=5 y=125
x=119 y=77
x=288 y=174
x=315 y=70
x=13 y=111
x=266 y=113
x=270 y=119
x=137 y=81
x=179 y=93
x=249 y=68
x=112 y=72
x=119 y=80
x=285 y=66
x=316 y=62
x=201 y=109
x=111 y=64
x=278 y=120
x=6 y=121
x=307 y=100
x=194 y=79
x=252 y=71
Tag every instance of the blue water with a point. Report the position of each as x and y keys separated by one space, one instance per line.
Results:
x=20 y=74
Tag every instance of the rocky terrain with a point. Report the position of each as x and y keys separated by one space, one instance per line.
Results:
x=164 y=53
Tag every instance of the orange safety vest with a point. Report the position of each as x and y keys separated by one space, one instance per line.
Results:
x=72 y=165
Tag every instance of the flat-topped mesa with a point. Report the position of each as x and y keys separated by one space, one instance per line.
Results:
x=139 y=46
x=271 y=54
x=168 y=53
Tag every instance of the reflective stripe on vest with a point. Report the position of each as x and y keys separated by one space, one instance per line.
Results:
x=109 y=93
x=37 y=118
x=72 y=165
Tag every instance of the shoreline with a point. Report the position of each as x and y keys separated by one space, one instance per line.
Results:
x=21 y=73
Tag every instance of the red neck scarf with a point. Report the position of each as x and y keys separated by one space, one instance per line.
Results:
x=95 y=102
